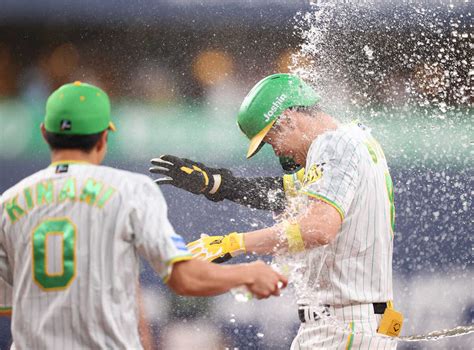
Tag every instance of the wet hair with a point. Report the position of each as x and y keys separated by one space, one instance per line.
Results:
x=84 y=143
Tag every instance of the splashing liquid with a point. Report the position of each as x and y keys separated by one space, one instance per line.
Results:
x=367 y=56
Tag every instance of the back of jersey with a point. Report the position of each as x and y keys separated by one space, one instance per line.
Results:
x=71 y=234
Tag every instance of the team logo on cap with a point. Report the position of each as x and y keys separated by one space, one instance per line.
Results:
x=65 y=125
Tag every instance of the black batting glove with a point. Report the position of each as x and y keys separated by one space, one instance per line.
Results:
x=188 y=175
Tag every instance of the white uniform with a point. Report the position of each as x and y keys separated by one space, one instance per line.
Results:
x=70 y=237
x=346 y=168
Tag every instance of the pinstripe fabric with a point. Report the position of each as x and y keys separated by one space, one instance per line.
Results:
x=355 y=269
x=98 y=308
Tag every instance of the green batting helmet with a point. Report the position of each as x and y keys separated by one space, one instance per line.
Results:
x=266 y=102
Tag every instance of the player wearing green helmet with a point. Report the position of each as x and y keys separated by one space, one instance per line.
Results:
x=344 y=203
x=268 y=98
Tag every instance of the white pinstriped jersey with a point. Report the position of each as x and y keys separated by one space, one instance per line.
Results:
x=70 y=236
x=347 y=169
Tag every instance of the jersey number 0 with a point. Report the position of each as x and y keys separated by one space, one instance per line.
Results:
x=66 y=230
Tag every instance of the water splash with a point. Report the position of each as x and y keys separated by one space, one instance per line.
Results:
x=394 y=53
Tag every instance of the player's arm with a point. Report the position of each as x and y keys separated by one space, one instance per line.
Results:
x=331 y=186
x=267 y=193
x=317 y=226
x=154 y=238
x=200 y=278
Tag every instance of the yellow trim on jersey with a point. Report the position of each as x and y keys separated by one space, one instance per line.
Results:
x=326 y=200
x=173 y=261
x=70 y=162
x=350 y=338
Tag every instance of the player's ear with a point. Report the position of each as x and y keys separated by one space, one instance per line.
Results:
x=43 y=131
x=102 y=140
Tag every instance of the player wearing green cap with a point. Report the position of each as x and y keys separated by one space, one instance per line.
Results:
x=339 y=228
x=71 y=234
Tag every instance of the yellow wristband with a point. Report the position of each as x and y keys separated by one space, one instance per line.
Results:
x=236 y=243
x=293 y=235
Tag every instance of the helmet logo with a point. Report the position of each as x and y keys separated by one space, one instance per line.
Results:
x=275 y=105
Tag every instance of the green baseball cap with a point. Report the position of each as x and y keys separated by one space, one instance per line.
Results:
x=78 y=109
x=266 y=102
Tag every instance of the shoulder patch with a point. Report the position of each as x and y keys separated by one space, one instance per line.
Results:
x=314 y=173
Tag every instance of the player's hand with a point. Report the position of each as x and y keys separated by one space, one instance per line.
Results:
x=266 y=281
x=217 y=249
x=191 y=176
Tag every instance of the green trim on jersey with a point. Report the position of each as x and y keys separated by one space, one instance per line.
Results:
x=350 y=339
x=326 y=200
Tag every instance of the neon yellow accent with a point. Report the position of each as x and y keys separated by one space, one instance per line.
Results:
x=206 y=178
x=105 y=197
x=14 y=210
x=391 y=323
x=68 y=190
x=90 y=191
x=257 y=139
x=312 y=175
x=69 y=162
x=29 y=198
x=350 y=338
x=112 y=126
x=48 y=234
x=44 y=192
x=326 y=200
x=294 y=238
x=390 y=304
x=300 y=174
x=289 y=182
x=196 y=168
x=186 y=170
x=174 y=261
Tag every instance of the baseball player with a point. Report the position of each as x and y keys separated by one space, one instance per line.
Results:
x=70 y=236
x=342 y=235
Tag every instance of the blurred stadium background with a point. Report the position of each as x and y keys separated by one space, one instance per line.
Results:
x=177 y=71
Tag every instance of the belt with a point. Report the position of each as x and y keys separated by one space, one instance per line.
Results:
x=379 y=309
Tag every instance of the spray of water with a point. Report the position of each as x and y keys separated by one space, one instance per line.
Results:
x=395 y=56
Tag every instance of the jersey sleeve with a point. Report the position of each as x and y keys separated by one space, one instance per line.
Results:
x=154 y=236
x=332 y=172
x=6 y=283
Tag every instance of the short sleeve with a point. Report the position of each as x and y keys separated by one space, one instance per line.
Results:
x=154 y=236
x=332 y=173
